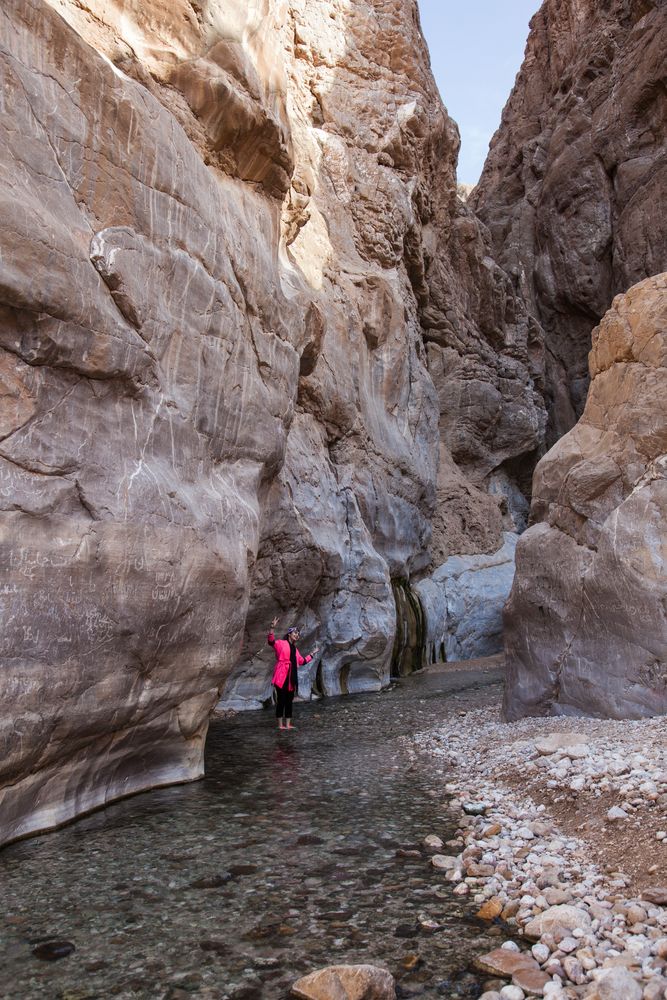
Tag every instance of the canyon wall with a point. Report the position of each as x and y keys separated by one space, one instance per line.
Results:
x=573 y=195
x=404 y=263
x=576 y=175
x=586 y=626
x=149 y=379
x=254 y=353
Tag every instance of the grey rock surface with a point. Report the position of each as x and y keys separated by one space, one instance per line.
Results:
x=576 y=176
x=463 y=603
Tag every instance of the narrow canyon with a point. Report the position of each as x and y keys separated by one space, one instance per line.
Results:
x=258 y=358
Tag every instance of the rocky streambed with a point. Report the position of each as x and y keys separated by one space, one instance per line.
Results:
x=563 y=838
x=295 y=852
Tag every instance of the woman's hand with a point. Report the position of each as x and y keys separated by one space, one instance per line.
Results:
x=274 y=622
x=315 y=651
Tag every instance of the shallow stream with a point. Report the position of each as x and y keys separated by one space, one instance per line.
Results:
x=292 y=854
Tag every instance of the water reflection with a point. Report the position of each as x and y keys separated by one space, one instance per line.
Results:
x=283 y=859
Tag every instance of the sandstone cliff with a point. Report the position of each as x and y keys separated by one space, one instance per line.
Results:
x=586 y=630
x=576 y=174
x=251 y=343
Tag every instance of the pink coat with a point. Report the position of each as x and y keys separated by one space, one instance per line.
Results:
x=282 y=668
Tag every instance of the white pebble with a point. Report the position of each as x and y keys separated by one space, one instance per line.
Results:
x=512 y=993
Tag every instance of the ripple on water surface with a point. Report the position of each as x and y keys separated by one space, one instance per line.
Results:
x=283 y=859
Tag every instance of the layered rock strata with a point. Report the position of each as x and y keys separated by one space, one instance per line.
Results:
x=586 y=630
x=576 y=173
x=243 y=320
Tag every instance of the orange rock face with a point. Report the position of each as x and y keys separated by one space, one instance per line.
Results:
x=585 y=624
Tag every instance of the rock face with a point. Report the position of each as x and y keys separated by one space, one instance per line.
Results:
x=575 y=174
x=139 y=425
x=463 y=604
x=374 y=226
x=586 y=630
x=249 y=339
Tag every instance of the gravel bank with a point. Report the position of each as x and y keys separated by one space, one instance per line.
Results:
x=563 y=839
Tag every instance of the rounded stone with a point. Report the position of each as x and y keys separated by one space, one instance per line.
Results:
x=618 y=984
x=51 y=951
x=512 y=993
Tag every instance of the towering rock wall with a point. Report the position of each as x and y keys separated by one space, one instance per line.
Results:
x=392 y=257
x=149 y=365
x=572 y=187
x=586 y=627
x=252 y=346
x=573 y=195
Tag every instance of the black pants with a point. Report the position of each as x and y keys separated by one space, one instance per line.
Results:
x=284 y=699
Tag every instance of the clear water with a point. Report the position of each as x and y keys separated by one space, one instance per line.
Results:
x=282 y=860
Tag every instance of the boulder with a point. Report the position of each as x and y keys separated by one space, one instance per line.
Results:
x=570 y=918
x=346 y=982
x=656 y=895
x=518 y=966
x=618 y=984
x=572 y=743
x=585 y=626
x=503 y=962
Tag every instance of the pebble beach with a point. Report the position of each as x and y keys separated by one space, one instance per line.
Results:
x=562 y=842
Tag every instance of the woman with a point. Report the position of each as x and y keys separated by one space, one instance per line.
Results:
x=285 y=675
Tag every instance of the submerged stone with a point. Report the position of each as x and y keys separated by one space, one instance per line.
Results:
x=211 y=944
x=211 y=881
x=474 y=808
x=242 y=870
x=407 y=930
x=51 y=951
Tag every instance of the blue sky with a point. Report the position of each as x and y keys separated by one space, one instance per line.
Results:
x=476 y=51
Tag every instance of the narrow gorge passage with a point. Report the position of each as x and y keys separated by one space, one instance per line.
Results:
x=282 y=860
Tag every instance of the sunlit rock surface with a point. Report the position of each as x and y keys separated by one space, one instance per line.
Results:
x=409 y=304
x=574 y=186
x=250 y=343
x=586 y=630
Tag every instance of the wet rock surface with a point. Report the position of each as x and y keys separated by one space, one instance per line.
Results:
x=322 y=831
x=463 y=603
